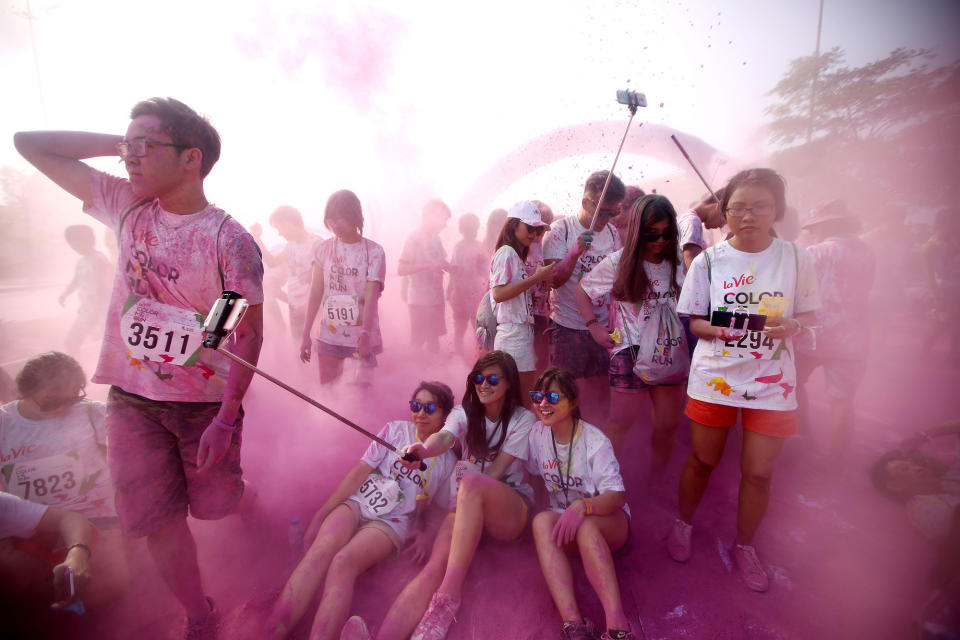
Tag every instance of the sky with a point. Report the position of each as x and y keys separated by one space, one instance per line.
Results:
x=404 y=101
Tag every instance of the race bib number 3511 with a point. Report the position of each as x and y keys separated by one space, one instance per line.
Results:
x=161 y=332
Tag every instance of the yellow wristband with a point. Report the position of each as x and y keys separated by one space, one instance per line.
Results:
x=589 y=507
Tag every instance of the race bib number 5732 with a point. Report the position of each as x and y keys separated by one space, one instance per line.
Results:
x=161 y=332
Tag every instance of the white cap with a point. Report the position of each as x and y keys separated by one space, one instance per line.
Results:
x=526 y=211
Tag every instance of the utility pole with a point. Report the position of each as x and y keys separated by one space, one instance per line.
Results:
x=29 y=15
x=816 y=72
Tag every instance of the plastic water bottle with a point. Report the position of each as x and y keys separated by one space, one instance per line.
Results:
x=295 y=536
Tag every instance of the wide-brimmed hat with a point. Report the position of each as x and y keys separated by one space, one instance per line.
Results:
x=833 y=211
x=526 y=211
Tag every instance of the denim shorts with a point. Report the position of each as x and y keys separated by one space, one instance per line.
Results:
x=576 y=351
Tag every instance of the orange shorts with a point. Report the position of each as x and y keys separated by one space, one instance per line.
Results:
x=778 y=424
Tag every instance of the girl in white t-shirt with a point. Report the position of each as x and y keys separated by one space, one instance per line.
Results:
x=511 y=288
x=588 y=511
x=491 y=428
x=736 y=369
x=377 y=507
x=642 y=276
x=348 y=277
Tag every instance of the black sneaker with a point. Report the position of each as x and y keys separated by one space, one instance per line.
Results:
x=572 y=630
x=204 y=627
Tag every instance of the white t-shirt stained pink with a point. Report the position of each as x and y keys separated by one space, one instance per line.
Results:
x=629 y=317
x=433 y=484
x=59 y=461
x=347 y=268
x=176 y=261
x=506 y=267
x=556 y=244
x=756 y=371
x=515 y=443
x=690 y=229
x=591 y=469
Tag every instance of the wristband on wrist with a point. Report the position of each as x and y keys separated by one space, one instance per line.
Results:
x=223 y=425
x=592 y=321
x=589 y=506
x=82 y=546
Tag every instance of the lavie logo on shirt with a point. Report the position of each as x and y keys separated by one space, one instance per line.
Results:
x=148 y=238
x=739 y=281
x=23 y=450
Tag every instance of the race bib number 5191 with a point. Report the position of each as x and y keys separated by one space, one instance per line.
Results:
x=161 y=332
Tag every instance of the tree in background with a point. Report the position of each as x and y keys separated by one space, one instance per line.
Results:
x=882 y=134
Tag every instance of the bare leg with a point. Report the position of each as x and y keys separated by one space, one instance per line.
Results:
x=175 y=554
x=555 y=566
x=368 y=547
x=297 y=594
x=842 y=418
x=667 y=402
x=624 y=408
x=483 y=504
x=330 y=368
x=756 y=468
x=706 y=449
x=595 y=537
x=412 y=603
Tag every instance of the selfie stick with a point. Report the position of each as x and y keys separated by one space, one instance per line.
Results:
x=224 y=317
x=633 y=100
x=699 y=175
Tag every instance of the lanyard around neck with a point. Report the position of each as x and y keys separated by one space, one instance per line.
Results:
x=556 y=454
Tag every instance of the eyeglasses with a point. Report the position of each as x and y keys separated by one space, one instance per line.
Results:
x=615 y=211
x=52 y=404
x=138 y=147
x=492 y=378
x=535 y=230
x=429 y=407
x=552 y=397
x=654 y=237
x=759 y=209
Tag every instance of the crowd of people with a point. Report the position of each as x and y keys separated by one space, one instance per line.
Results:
x=575 y=318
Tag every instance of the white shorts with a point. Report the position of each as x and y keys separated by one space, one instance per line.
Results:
x=517 y=340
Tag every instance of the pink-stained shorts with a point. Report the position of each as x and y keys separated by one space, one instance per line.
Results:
x=152 y=453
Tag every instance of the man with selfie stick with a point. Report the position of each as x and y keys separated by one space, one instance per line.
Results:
x=173 y=412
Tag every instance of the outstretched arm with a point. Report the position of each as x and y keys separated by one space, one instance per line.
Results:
x=57 y=155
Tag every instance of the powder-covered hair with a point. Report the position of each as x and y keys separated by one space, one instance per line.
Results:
x=184 y=126
x=50 y=370
x=346 y=204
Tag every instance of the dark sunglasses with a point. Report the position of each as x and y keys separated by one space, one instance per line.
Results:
x=653 y=237
x=535 y=230
x=429 y=407
x=552 y=397
x=478 y=379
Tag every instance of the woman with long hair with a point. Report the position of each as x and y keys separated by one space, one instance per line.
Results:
x=754 y=280
x=511 y=289
x=492 y=497
x=587 y=515
x=641 y=277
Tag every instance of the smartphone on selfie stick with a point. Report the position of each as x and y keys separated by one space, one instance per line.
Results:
x=633 y=100
x=225 y=315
